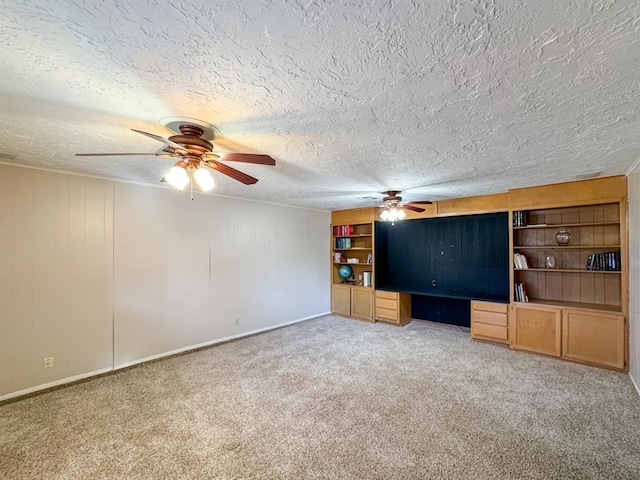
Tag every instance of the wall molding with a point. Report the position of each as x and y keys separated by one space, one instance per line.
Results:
x=50 y=386
x=67 y=382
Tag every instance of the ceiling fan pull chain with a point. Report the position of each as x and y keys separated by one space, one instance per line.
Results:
x=191 y=182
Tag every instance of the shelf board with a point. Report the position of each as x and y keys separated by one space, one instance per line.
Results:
x=565 y=270
x=567 y=247
x=362 y=235
x=565 y=225
x=351 y=249
x=560 y=303
x=359 y=263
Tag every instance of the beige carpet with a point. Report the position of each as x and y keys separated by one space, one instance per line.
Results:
x=333 y=398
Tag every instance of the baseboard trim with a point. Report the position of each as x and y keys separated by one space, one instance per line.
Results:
x=54 y=384
x=44 y=388
x=211 y=343
x=634 y=384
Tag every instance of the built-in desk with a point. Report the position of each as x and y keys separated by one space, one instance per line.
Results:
x=452 y=307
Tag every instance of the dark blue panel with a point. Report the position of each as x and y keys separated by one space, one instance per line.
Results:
x=464 y=256
x=443 y=310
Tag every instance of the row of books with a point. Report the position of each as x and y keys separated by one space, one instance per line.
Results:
x=520 y=218
x=342 y=243
x=342 y=230
x=520 y=293
x=606 y=261
x=520 y=261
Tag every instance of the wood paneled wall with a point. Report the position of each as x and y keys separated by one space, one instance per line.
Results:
x=186 y=270
x=56 y=277
x=89 y=268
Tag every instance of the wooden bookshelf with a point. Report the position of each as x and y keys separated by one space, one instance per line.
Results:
x=573 y=311
x=353 y=244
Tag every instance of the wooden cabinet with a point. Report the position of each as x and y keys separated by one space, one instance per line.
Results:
x=587 y=336
x=352 y=301
x=490 y=321
x=341 y=299
x=393 y=307
x=537 y=328
x=362 y=303
x=594 y=337
x=577 y=293
x=352 y=249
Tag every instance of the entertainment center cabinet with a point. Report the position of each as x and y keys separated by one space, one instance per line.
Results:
x=574 y=299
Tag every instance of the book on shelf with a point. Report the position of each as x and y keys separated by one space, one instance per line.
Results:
x=605 y=261
x=520 y=261
x=345 y=230
x=520 y=293
x=520 y=218
x=342 y=243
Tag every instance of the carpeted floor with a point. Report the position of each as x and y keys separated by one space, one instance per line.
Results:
x=333 y=398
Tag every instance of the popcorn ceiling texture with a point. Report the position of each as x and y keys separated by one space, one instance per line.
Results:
x=444 y=98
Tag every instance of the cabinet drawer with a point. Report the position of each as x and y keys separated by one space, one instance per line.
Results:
x=491 y=318
x=386 y=303
x=386 y=314
x=492 y=331
x=489 y=306
x=389 y=295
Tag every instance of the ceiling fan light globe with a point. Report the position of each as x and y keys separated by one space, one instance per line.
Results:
x=204 y=179
x=392 y=214
x=177 y=177
x=202 y=175
x=206 y=185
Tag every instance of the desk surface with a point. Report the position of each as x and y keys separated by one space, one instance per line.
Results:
x=453 y=294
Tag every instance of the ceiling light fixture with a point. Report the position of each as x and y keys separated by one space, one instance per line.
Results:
x=392 y=214
x=187 y=172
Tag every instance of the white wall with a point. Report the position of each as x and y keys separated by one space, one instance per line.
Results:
x=56 y=277
x=186 y=270
x=102 y=274
x=634 y=275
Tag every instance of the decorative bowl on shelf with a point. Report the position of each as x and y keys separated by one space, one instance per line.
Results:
x=563 y=237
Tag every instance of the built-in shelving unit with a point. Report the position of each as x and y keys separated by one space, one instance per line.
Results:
x=594 y=230
x=575 y=309
x=352 y=245
x=577 y=305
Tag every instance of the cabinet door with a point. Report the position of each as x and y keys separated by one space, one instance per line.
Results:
x=537 y=329
x=594 y=337
x=341 y=299
x=362 y=303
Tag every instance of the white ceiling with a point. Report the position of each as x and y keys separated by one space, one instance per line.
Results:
x=445 y=98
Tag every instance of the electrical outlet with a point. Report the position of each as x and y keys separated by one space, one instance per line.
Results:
x=48 y=362
x=237 y=320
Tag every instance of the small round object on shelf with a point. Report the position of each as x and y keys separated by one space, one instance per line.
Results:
x=563 y=237
x=345 y=271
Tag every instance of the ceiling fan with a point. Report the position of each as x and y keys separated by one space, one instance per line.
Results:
x=392 y=205
x=192 y=146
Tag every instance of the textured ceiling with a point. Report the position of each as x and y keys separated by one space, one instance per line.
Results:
x=441 y=98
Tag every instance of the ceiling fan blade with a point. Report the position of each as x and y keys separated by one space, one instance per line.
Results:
x=246 y=158
x=231 y=172
x=122 y=154
x=166 y=141
x=412 y=208
x=423 y=202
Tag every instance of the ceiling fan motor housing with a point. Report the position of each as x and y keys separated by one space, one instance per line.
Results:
x=191 y=139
